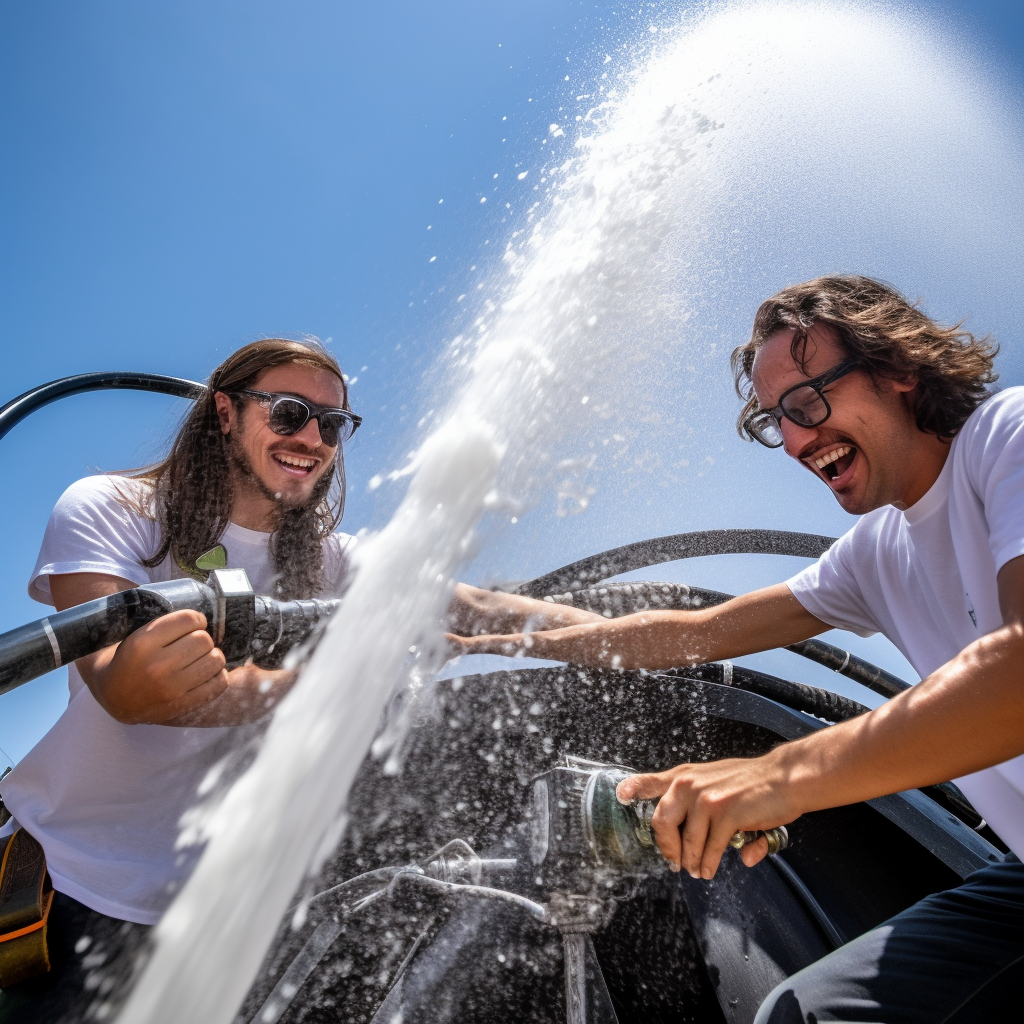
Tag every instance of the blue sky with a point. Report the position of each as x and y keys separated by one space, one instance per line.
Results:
x=177 y=179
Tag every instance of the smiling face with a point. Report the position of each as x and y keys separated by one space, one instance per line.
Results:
x=869 y=452
x=271 y=470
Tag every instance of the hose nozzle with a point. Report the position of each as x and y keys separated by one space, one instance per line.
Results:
x=778 y=839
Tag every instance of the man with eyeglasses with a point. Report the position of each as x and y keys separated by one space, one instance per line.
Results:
x=254 y=480
x=892 y=412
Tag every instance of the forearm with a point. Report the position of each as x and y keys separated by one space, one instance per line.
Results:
x=966 y=716
x=475 y=611
x=251 y=693
x=665 y=639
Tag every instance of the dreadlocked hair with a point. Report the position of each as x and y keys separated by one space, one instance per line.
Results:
x=893 y=339
x=191 y=488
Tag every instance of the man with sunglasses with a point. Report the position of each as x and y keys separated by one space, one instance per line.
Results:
x=254 y=480
x=892 y=412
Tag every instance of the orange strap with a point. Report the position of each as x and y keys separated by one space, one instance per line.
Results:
x=23 y=931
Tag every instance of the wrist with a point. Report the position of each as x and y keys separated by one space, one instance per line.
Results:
x=790 y=773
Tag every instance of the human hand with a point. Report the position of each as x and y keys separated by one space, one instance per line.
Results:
x=166 y=668
x=474 y=611
x=509 y=644
x=702 y=806
x=251 y=694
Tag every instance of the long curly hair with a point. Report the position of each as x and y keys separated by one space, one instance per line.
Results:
x=191 y=494
x=890 y=335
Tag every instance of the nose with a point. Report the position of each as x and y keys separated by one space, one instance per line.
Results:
x=796 y=438
x=310 y=434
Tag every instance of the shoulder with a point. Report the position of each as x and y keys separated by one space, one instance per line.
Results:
x=1000 y=415
x=100 y=524
x=993 y=433
x=856 y=553
x=108 y=492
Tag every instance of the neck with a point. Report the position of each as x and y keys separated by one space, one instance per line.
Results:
x=929 y=456
x=251 y=508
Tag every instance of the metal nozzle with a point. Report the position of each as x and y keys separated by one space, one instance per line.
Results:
x=778 y=839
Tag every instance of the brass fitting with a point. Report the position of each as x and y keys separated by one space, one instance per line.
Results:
x=778 y=839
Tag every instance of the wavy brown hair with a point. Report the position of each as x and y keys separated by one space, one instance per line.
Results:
x=192 y=486
x=891 y=337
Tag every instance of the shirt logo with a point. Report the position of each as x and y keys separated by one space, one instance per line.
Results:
x=970 y=610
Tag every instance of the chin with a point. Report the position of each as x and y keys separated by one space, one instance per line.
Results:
x=289 y=492
x=857 y=505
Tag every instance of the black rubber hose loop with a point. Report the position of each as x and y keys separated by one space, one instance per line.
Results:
x=588 y=571
x=14 y=411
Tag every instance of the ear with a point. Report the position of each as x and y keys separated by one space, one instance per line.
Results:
x=227 y=414
x=905 y=385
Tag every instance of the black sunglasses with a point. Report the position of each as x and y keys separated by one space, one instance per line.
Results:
x=289 y=414
x=803 y=404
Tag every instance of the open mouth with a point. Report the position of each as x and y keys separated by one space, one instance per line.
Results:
x=294 y=465
x=835 y=463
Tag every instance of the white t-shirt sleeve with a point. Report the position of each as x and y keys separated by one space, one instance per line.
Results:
x=91 y=529
x=829 y=589
x=993 y=458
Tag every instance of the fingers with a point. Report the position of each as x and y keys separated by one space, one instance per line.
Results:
x=699 y=809
x=168 y=666
x=643 y=787
x=162 y=632
x=186 y=651
x=190 y=701
x=498 y=644
x=197 y=673
x=715 y=845
x=669 y=815
x=754 y=853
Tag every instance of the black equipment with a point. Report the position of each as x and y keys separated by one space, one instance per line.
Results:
x=243 y=625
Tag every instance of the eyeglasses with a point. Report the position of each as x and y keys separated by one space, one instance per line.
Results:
x=804 y=404
x=289 y=414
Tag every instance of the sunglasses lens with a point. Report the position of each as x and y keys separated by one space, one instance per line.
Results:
x=288 y=416
x=336 y=428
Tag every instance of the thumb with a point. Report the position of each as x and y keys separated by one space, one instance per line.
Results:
x=643 y=787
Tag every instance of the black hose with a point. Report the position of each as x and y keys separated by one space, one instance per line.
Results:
x=58 y=639
x=18 y=408
x=281 y=626
x=267 y=633
x=812 y=700
x=644 y=553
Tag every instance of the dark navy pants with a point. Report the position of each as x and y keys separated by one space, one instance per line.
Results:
x=94 y=958
x=954 y=958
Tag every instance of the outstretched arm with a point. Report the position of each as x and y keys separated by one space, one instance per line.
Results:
x=966 y=716
x=767 y=618
x=474 y=611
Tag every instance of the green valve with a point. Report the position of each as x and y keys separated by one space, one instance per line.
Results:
x=215 y=558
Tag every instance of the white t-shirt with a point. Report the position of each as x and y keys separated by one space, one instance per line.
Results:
x=105 y=799
x=926 y=577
